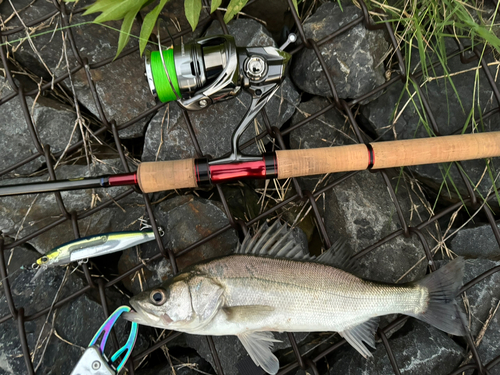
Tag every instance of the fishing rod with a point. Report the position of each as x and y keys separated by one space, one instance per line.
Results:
x=191 y=173
x=212 y=69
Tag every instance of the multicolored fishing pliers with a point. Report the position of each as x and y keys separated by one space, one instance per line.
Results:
x=94 y=361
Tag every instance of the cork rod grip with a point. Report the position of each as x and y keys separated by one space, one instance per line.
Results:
x=166 y=175
x=295 y=163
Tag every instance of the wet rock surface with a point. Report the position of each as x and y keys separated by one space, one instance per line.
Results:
x=54 y=122
x=363 y=216
x=354 y=58
x=24 y=214
x=418 y=349
x=185 y=220
x=477 y=242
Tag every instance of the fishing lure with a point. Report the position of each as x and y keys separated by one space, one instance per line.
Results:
x=83 y=248
x=94 y=361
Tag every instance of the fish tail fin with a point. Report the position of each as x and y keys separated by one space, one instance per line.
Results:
x=443 y=285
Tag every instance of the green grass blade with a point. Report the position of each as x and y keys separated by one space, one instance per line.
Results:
x=233 y=8
x=192 y=8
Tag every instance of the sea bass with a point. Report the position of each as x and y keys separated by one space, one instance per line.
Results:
x=270 y=285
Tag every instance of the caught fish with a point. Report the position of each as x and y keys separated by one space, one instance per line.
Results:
x=92 y=246
x=270 y=285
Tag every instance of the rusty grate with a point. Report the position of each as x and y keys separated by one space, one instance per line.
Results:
x=110 y=131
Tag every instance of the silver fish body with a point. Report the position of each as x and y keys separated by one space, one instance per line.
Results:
x=268 y=285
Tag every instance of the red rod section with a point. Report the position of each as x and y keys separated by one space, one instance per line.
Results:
x=236 y=171
x=123 y=179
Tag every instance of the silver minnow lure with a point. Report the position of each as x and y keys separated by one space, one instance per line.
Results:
x=270 y=285
x=92 y=246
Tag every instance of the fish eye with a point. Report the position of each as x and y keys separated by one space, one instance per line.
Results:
x=158 y=297
x=44 y=259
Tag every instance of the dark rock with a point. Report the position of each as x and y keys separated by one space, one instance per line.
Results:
x=53 y=121
x=275 y=13
x=477 y=242
x=489 y=347
x=354 y=58
x=329 y=129
x=189 y=365
x=231 y=352
x=246 y=32
x=395 y=104
x=122 y=88
x=418 y=349
x=75 y=322
x=167 y=136
x=24 y=214
x=242 y=200
x=361 y=211
x=185 y=220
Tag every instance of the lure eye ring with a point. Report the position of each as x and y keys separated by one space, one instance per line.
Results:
x=158 y=297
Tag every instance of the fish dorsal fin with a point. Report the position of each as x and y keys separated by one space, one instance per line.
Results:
x=362 y=332
x=339 y=257
x=258 y=346
x=274 y=241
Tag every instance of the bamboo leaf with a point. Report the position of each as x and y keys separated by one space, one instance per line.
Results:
x=148 y=25
x=296 y=6
x=233 y=8
x=214 y=5
x=125 y=29
x=192 y=8
x=102 y=6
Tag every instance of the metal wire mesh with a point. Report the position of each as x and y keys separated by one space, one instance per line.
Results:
x=108 y=126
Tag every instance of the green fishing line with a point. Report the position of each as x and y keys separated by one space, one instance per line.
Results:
x=163 y=86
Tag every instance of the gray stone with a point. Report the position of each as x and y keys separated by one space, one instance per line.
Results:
x=329 y=129
x=185 y=220
x=246 y=32
x=477 y=242
x=354 y=58
x=53 y=121
x=489 y=348
x=76 y=322
x=167 y=136
x=418 y=349
x=361 y=211
x=122 y=88
x=24 y=214
x=231 y=352
x=185 y=365
x=395 y=104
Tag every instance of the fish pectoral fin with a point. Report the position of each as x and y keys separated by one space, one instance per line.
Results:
x=258 y=346
x=362 y=332
x=247 y=313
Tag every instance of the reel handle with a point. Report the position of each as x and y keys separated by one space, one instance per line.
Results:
x=390 y=154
